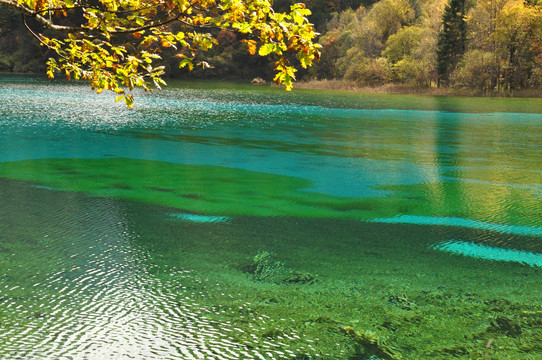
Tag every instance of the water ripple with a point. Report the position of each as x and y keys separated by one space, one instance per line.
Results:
x=81 y=288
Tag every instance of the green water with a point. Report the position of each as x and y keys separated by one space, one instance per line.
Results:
x=219 y=221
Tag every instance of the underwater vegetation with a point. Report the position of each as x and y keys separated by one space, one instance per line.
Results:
x=369 y=294
x=223 y=191
x=264 y=269
x=368 y=345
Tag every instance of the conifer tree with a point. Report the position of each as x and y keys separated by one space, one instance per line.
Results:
x=452 y=39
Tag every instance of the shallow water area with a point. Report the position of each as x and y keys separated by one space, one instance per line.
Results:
x=224 y=221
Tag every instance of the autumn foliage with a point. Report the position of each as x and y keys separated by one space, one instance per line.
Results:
x=118 y=45
x=481 y=45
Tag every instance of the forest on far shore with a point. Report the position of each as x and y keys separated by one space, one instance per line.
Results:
x=481 y=45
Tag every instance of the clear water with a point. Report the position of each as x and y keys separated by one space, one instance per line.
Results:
x=227 y=221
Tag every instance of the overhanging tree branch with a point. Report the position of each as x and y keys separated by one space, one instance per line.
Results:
x=39 y=18
x=88 y=51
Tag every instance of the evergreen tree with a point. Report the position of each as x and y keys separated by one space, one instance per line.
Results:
x=452 y=39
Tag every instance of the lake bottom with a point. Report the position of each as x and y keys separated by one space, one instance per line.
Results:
x=88 y=278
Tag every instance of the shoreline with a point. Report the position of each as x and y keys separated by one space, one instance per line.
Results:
x=352 y=86
x=401 y=89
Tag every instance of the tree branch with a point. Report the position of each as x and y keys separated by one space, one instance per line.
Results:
x=43 y=21
x=86 y=6
x=165 y=20
x=25 y=11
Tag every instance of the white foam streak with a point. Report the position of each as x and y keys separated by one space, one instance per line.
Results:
x=462 y=222
x=487 y=252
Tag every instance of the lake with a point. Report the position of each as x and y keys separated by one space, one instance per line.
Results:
x=228 y=221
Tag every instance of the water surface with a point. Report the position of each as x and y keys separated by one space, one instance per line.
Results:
x=229 y=221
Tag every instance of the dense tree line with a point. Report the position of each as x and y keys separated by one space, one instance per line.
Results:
x=476 y=44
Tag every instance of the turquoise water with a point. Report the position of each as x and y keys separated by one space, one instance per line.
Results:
x=229 y=221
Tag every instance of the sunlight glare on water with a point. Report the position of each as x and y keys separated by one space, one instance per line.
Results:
x=92 y=292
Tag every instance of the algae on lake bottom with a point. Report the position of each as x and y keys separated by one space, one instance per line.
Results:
x=379 y=290
x=217 y=190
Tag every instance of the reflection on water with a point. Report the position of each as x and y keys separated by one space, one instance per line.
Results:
x=243 y=223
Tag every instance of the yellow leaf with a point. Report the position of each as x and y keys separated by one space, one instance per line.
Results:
x=251 y=47
x=266 y=49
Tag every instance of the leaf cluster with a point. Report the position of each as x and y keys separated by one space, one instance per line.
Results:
x=117 y=45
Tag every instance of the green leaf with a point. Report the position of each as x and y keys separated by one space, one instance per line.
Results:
x=266 y=49
x=186 y=62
